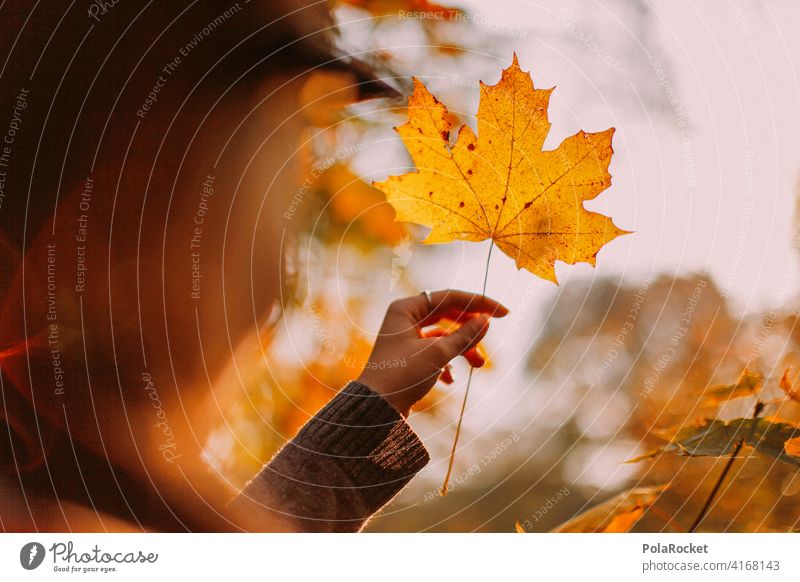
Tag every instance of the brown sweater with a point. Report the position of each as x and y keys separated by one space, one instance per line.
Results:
x=346 y=463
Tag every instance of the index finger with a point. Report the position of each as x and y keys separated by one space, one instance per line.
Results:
x=452 y=301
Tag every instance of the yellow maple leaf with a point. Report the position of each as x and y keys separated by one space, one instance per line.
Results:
x=500 y=184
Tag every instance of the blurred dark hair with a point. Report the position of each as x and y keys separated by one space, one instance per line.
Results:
x=80 y=66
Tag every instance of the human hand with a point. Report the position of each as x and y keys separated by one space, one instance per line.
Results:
x=405 y=362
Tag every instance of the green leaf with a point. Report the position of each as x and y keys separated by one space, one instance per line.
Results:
x=716 y=438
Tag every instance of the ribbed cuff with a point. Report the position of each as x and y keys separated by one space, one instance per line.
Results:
x=346 y=463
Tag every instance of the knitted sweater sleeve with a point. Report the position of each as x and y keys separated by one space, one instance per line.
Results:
x=346 y=463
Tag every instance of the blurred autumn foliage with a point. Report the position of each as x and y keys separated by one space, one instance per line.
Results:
x=680 y=366
x=392 y=7
x=621 y=368
x=350 y=253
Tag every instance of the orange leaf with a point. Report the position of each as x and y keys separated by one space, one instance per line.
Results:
x=746 y=385
x=792 y=447
x=786 y=386
x=388 y=7
x=624 y=522
x=617 y=515
x=353 y=200
x=325 y=94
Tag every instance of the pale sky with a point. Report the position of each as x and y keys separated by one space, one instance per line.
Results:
x=705 y=98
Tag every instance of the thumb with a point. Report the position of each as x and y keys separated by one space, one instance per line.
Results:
x=465 y=337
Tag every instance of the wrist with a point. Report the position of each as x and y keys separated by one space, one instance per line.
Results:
x=393 y=398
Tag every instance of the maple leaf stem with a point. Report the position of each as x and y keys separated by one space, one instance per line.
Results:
x=759 y=406
x=717 y=485
x=443 y=490
x=486 y=272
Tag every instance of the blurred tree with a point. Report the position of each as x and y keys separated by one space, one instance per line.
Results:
x=657 y=347
x=350 y=260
